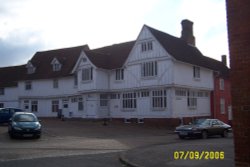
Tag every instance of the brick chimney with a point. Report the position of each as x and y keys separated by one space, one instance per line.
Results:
x=224 y=59
x=187 y=32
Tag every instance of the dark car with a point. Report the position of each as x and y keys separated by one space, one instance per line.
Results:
x=24 y=124
x=6 y=114
x=204 y=128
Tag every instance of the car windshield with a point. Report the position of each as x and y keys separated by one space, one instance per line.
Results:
x=25 y=118
x=201 y=122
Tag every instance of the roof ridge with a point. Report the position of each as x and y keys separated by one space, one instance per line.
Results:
x=60 y=49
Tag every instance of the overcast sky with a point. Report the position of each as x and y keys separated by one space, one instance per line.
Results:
x=27 y=26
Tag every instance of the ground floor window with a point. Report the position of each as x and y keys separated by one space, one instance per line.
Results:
x=26 y=104
x=192 y=99
x=55 y=105
x=129 y=100
x=222 y=106
x=103 y=100
x=159 y=99
x=34 y=106
x=1 y=105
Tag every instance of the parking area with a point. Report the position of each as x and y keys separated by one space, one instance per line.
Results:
x=81 y=137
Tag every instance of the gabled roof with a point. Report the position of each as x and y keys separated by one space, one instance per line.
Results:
x=11 y=75
x=110 y=57
x=184 y=52
x=42 y=62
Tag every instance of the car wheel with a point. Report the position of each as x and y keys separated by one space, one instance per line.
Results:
x=225 y=133
x=181 y=137
x=204 y=134
x=11 y=136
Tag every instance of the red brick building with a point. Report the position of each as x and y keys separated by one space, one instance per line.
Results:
x=221 y=106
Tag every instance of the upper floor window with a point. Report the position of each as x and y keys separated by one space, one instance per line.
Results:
x=56 y=65
x=28 y=85
x=149 y=69
x=119 y=74
x=146 y=46
x=1 y=91
x=196 y=72
x=87 y=74
x=222 y=84
x=55 y=83
x=30 y=68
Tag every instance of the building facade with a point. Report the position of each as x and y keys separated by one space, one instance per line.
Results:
x=157 y=76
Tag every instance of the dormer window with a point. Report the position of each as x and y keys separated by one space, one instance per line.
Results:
x=56 y=65
x=30 y=68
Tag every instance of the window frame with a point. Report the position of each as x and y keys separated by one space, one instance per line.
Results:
x=34 y=106
x=196 y=72
x=55 y=106
x=149 y=69
x=89 y=74
x=129 y=100
x=119 y=74
x=159 y=99
x=28 y=85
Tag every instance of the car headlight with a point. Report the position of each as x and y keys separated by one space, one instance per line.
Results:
x=38 y=127
x=16 y=128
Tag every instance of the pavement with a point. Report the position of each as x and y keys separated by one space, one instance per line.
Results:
x=217 y=152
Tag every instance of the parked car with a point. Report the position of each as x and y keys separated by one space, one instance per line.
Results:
x=24 y=124
x=6 y=114
x=203 y=128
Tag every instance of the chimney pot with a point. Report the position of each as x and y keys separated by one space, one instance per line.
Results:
x=187 y=32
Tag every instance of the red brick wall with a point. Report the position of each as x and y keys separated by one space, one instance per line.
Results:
x=238 y=18
x=216 y=95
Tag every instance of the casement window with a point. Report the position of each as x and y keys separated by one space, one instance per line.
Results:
x=55 y=105
x=149 y=69
x=34 y=106
x=159 y=99
x=146 y=46
x=196 y=72
x=192 y=99
x=75 y=79
x=55 y=83
x=222 y=84
x=26 y=104
x=1 y=91
x=80 y=104
x=129 y=100
x=119 y=74
x=28 y=85
x=87 y=74
x=103 y=100
x=222 y=106
x=180 y=92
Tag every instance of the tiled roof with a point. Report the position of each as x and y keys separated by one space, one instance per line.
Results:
x=42 y=62
x=184 y=52
x=9 y=76
x=110 y=57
